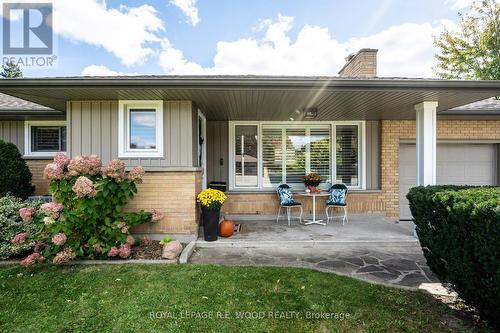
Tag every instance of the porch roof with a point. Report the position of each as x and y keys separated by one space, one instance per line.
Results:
x=262 y=97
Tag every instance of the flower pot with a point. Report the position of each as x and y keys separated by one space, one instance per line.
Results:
x=210 y=218
x=226 y=228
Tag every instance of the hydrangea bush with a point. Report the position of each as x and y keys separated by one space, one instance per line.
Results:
x=86 y=217
x=15 y=227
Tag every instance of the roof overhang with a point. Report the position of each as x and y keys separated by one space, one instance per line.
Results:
x=263 y=98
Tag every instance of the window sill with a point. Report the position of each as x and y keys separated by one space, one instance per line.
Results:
x=38 y=157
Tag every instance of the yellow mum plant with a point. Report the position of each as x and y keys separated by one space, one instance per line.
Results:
x=211 y=199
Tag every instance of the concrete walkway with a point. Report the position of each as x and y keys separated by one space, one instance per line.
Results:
x=394 y=265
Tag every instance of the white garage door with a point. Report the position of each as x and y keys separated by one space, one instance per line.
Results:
x=458 y=164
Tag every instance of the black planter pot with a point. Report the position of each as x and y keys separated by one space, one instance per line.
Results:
x=210 y=218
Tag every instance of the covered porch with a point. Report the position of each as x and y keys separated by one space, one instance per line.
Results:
x=374 y=229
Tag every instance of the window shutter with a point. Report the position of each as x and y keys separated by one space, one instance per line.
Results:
x=320 y=153
x=296 y=142
x=272 y=156
x=347 y=155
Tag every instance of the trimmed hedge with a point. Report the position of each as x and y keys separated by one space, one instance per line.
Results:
x=15 y=176
x=459 y=231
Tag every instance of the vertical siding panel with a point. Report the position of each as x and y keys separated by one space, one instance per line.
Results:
x=86 y=134
x=105 y=132
x=114 y=129
x=185 y=145
x=96 y=135
x=76 y=128
x=69 y=129
x=20 y=136
x=175 y=132
x=167 y=160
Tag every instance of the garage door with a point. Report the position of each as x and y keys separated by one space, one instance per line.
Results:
x=459 y=164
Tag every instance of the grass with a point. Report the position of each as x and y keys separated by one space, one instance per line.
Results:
x=121 y=298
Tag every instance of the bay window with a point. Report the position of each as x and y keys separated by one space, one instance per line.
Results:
x=266 y=154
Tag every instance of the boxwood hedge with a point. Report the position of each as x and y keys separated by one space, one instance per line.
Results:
x=459 y=231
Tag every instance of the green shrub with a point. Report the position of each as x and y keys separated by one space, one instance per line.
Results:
x=459 y=231
x=15 y=176
x=11 y=224
x=86 y=217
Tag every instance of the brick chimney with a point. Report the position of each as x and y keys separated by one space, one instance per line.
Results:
x=362 y=64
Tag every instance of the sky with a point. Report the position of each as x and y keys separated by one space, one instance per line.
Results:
x=232 y=37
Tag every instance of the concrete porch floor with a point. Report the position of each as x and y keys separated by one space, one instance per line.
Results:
x=362 y=228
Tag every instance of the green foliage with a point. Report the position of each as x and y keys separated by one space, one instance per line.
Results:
x=473 y=52
x=166 y=240
x=459 y=231
x=15 y=176
x=11 y=224
x=94 y=224
x=11 y=70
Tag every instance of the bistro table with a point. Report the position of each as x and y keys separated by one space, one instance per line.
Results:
x=314 y=195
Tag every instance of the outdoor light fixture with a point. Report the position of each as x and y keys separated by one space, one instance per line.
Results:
x=310 y=113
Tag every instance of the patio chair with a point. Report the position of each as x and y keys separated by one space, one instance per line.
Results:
x=287 y=201
x=337 y=198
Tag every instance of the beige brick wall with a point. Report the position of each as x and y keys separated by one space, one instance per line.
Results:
x=36 y=168
x=267 y=203
x=393 y=131
x=174 y=193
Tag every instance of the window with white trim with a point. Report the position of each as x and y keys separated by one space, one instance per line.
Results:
x=289 y=151
x=140 y=128
x=45 y=138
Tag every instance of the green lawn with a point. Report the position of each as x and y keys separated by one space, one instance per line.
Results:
x=121 y=298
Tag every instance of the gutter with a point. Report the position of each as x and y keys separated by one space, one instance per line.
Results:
x=239 y=82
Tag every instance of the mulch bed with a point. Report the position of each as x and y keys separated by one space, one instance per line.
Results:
x=147 y=250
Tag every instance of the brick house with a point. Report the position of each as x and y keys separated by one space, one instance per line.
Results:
x=379 y=136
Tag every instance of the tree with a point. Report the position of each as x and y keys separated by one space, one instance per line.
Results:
x=11 y=70
x=472 y=52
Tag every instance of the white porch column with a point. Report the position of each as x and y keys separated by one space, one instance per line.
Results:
x=426 y=143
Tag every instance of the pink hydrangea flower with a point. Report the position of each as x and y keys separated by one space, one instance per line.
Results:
x=94 y=164
x=20 y=238
x=97 y=248
x=53 y=171
x=113 y=252
x=31 y=259
x=64 y=256
x=62 y=160
x=38 y=247
x=123 y=227
x=51 y=209
x=27 y=213
x=136 y=174
x=59 y=239
x=156 y=215
x=115 y=169
x=84 y=187
x=77 y=166
x=130 y=240
x=125 y=250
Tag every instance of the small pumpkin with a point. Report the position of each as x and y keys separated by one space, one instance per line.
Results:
x=226 y=228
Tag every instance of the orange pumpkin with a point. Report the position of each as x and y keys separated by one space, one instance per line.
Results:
x=226 y=228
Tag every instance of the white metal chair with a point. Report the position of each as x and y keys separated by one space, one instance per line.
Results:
x=287 y=201
x=337 y=199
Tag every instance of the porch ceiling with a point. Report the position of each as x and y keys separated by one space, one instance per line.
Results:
x=263 y=98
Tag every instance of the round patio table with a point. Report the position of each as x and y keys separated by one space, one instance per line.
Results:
x=314 y=195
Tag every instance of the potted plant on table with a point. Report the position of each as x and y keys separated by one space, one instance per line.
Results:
x=211 y=202
x=311 y=181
